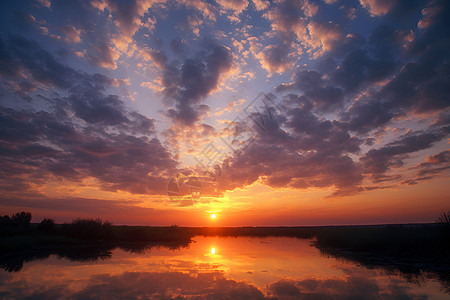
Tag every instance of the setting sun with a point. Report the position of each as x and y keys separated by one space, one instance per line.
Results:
x=213 y=216
x=213 y=251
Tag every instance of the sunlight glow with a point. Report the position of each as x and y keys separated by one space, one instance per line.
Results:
x=213 y=216
x=213 y=251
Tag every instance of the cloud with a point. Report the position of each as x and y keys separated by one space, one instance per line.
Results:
x=27 y=56
x=127 y=14
x=207 y=9
x=377 y=162
x=275 y=58
x=359 y=69
x=120 y=161
x=288 y=18
x=397 y=8
x=103 y=55
x=86 y=134
x=238 y=6
x=433 y=166
x=377 y=7
x=72 y=34
x=324 y=35
x=325 y=97
x=296 y=149
x=158 y=57
x=371 y=86
x=261 y=4
x=188 y=85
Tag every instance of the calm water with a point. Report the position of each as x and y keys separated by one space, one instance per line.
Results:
x=213 y=268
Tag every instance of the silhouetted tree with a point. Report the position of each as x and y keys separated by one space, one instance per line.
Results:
x=21 y=219
x=47 y=226
x=5 y=221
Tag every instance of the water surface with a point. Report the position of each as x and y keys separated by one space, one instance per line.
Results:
x=212 y=268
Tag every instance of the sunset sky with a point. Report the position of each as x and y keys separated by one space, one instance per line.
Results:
x=261 y=112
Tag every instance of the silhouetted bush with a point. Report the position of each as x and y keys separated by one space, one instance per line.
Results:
x=47 y=226
x=90 y=229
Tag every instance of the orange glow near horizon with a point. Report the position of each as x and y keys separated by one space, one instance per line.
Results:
x=260 y=205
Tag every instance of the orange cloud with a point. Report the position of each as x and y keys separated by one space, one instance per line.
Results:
x=323 y=36
x=377 y=7
x=72 y=34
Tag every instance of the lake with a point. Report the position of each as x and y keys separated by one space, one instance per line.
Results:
x=211 y=268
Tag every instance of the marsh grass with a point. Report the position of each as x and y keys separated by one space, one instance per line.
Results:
x=444 y=220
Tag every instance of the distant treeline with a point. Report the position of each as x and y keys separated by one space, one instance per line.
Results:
x=21 y=219
x=17 y=232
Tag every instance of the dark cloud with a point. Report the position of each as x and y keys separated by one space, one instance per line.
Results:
x=159 y=58
x=28 y=56
x=325 y=97
x=298 y=150
x=289 y=19
x=22 y=56
x=367 y=115
x=377 y=162
x=93 y=107
x=301 y=149
x=275 y=58
x=358 y=68
x=394 y=72
x=105 y=141
x=186 y=86
x=387 y=43
x=99 y=48
x=120 y=161
x=126 y=14
x=399 y=9
x=7 y=62
x=420 y=86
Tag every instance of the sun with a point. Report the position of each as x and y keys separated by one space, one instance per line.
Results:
x=213 y=251
x=213 y=216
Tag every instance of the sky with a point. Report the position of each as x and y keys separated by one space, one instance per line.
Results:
x=260 y=112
